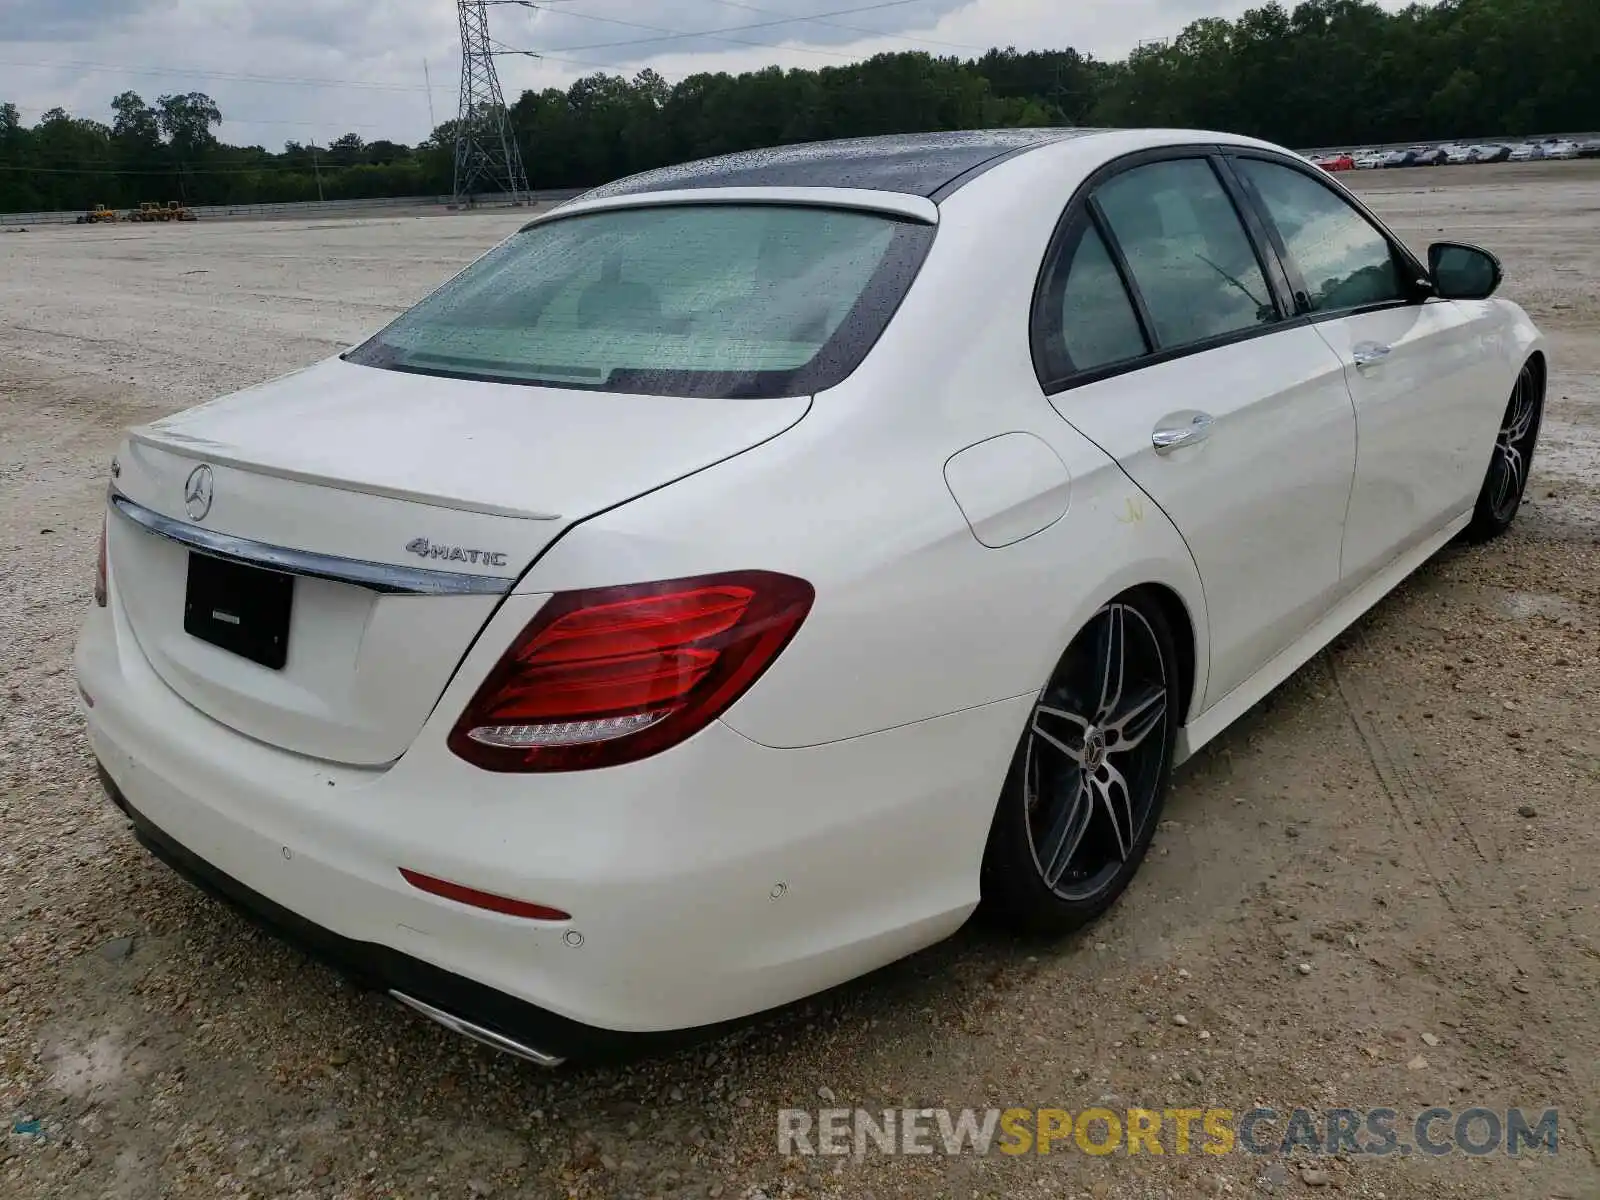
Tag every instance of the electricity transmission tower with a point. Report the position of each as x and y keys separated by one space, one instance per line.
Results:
x=487 y=157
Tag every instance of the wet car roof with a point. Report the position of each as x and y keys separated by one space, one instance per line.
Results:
x=919 y=164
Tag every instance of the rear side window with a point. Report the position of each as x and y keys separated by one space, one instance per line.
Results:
x=1345 y=260
x=1186 y=248
x=701 y=300
x=1086 y=319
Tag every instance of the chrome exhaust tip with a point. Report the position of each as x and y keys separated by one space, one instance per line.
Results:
x=477 y=1033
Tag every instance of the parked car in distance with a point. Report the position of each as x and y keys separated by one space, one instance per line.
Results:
x=1489 y=153
x=1589 y=149
x=1427 y=156
x=1456 y=155
x=1561 y=149
x=1369 y=160
x=1526 y=152
x=731 y=580
x=1335 y=162
x=1398 y=158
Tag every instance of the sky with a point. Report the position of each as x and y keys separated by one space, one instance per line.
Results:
x=310 y=70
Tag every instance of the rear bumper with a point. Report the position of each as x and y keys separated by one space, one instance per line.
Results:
x=524 y=1029
x=709 y=883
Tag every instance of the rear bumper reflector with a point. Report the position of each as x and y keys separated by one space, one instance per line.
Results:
x=462 y=894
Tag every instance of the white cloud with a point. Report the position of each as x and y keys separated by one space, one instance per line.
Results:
x=79 y=53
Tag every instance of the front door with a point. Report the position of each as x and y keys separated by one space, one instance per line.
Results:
x=1416 y=369
x=1159 y=338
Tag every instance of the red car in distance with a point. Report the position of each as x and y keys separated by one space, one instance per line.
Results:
x=1335 y=162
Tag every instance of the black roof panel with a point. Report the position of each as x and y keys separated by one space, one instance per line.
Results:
x=919 y=164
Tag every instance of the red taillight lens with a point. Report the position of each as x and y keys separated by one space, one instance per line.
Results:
x=612 y=675
x=100 y=588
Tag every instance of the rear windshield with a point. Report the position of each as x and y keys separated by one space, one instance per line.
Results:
x=702 y=300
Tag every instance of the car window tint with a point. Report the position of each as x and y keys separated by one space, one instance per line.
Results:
x=1345 y=260
x=701 y=300
x=1088 y=321
x=1188 y=252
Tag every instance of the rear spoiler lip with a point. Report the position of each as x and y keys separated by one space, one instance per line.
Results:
x=202 y=450
x=894 y=204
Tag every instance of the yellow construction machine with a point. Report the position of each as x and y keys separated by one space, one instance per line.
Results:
x=97 y=214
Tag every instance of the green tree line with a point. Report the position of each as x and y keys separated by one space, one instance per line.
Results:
x=1324 y=72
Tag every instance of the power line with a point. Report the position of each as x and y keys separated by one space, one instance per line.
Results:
x=883 y=33
x=672 y=33
x=557 y=55
x=501 y=48
x=709 y=33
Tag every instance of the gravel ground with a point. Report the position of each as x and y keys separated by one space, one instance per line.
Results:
x=1411 y=818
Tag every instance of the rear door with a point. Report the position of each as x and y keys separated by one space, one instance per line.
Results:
x=1425 y=392
x=1160 y=334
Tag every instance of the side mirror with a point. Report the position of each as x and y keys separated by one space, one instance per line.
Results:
x=1463 y=272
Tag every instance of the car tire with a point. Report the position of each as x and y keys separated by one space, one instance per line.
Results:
x=1506 y=481
x=1090 y=775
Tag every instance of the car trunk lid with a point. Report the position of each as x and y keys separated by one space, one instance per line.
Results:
x=402 y=505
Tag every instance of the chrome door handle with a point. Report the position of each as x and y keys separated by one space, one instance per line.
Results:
x=1181 y=429
x=1370 y=353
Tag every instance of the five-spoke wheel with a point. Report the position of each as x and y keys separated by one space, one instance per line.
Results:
x=1090 y=773
x=1507 y=478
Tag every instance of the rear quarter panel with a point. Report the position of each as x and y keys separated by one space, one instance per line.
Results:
x=914 y=617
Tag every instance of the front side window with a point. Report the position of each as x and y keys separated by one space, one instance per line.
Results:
x=1187 y=250
x=702 y=300
x=1086 y=319
x=1345 y=261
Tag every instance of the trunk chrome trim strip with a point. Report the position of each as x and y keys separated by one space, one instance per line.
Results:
x=374 y=576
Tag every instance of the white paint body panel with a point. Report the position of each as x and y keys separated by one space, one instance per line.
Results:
x=1426 y=415
x=959 y=528
x=357 y=463
x=1261 y=502
x=667 y=865
x=458 y=444
x=1009 y=487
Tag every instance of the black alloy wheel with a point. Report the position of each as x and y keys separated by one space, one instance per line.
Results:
x=1088 y=780
x=1507 y=478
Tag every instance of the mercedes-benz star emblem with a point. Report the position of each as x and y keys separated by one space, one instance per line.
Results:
x=197 y=493
x=1094 y=749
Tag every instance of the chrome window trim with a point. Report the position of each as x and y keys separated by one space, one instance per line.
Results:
x=374 y=576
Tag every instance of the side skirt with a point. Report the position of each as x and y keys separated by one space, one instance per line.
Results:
x=1289 y=660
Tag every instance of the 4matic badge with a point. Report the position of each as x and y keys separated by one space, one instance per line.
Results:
x=423 y=548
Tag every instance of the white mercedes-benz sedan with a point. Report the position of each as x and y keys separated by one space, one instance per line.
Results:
x=730 y=581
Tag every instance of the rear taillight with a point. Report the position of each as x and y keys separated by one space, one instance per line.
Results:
x=100 y=589
x=611 y=675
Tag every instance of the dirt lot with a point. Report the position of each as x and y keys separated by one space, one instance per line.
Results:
x=1412 y=817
